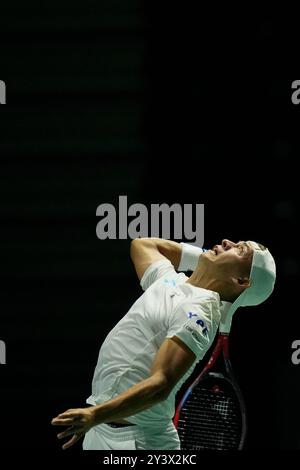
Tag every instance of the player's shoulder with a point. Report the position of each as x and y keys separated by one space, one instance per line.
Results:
x=204 y=303
x=155 y=271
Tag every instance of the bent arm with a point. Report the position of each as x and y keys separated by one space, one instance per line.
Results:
x=145 y=251
x=171 y=363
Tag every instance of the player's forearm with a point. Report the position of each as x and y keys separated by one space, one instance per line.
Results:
x=137 y=398
x=171 y=250
x=183 y=256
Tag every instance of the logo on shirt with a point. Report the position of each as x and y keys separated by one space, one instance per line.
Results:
x=172 y=282
x=199 y=322
x=194 y=333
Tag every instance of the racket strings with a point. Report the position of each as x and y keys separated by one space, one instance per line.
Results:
x=211 y=418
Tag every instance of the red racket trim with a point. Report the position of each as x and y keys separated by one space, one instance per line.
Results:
x=222 y=340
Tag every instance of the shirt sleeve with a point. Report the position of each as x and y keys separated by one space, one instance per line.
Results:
x=155 y=271
x=195 y=325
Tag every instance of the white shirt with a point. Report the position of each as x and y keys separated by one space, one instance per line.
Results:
x=169 y=307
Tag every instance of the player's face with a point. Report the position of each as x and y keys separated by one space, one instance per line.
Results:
x=232 y=255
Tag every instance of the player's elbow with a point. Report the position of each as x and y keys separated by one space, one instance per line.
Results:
x=135 y=242
x=138 y=245
x=139 y=242
x=134 y=248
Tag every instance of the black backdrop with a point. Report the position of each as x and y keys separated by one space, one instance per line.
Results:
x=114 y=99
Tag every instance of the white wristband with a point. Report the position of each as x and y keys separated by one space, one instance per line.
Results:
x=189 y=257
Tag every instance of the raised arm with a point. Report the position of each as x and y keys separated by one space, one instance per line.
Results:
x=171 y=362
x=145 y=251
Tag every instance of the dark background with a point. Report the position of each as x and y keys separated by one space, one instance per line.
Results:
x=108 y=99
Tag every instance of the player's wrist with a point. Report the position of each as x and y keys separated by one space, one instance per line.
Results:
x=189 y=257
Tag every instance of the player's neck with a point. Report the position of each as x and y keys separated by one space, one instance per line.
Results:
x=198 y=279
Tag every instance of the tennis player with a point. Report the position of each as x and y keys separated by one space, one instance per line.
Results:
x=154 y=348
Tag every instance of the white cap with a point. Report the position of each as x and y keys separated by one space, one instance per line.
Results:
x=262 y=277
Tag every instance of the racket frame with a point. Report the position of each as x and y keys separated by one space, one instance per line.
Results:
x=221 y=345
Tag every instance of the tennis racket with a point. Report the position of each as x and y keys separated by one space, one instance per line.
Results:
x=211 y=414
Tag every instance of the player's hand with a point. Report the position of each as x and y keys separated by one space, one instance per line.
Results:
x=79 y=421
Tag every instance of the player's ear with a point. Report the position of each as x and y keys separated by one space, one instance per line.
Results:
x=242 y=282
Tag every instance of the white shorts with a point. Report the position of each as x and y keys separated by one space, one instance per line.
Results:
x=104 y=437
